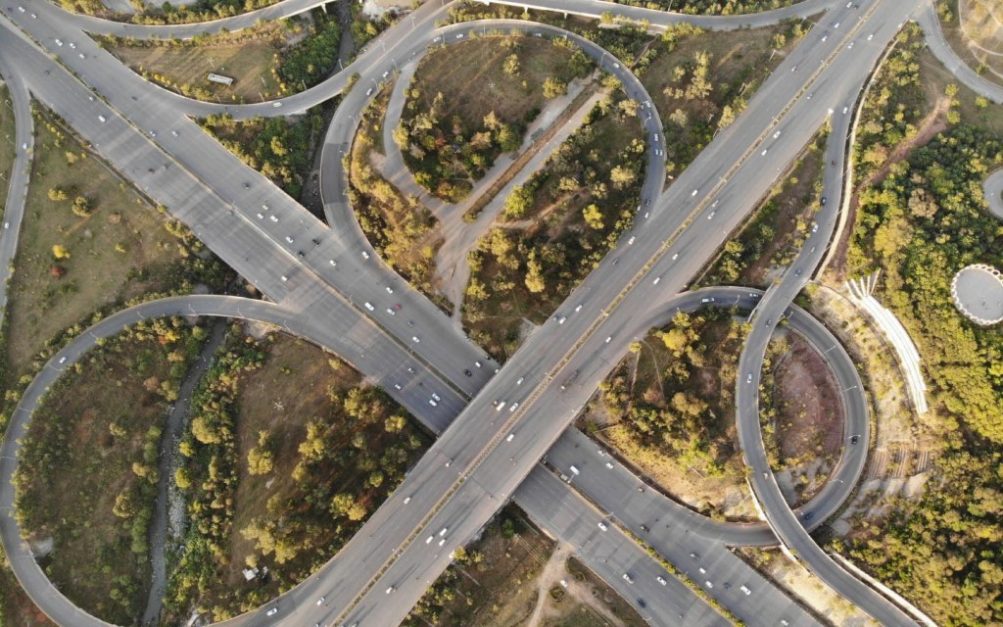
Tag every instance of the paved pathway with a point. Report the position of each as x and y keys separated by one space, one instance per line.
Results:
x=941 y=49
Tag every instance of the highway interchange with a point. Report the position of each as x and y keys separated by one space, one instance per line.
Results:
x=145 y=133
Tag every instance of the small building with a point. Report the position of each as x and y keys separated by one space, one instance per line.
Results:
x=219 y=78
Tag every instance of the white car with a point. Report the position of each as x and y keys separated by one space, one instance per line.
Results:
x=695 y=192
x=59 y=43
x=62 y=360
x=657 y=279
x=628 y=578
x=273 y=218
x=407 y=499
x=561 y=319
x=520 y=380
x=432 y=402
x=513 y=407
x=365 y=255
x=102 y=118
x=631 y=240
x=609 y=338
x=369 y=306
x=436 y=396
x=369 y=92
x=500 y=405
x=429 y=539
x=276 y=105
x=272 y=612
x=415 y=339
x=609 y=465
x=661 y=580
x=745 y=589
x=602 y=526
x=289 y=239
x=320 y=601
x=510 y=437
x=390 y=290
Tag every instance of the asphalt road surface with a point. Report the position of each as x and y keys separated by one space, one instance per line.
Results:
x=389 y=557
x=788 y=526
x=17 y=184
x=827 y=71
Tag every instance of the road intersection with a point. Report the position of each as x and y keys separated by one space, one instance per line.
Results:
x=197 y=170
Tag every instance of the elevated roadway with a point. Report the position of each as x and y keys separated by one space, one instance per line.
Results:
x=17 y=183
x=794 y=70
x=481 y=471
x=790 y=527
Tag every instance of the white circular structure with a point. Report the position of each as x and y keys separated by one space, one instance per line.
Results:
x=977 y=291
x=993 y=189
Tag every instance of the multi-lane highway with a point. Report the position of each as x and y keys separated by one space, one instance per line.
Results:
x=388 y=557
x=148 y=138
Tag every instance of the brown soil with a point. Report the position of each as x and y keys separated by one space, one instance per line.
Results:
x=810 y=417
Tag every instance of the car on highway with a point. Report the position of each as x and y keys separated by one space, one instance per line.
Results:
x=415 y=339
x=602 y=526
x=745 y=589
x=609 y=465
x=661 y=580
x=272 y=612
x=748 y=379
x=320 y=601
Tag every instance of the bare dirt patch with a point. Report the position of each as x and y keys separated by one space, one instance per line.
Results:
x=808 y=426
x=250 y=58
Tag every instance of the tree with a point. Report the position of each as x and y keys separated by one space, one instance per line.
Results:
x=58 y=194
x=59 y=252
x=182 y=479
x=552 y=88
x=124 y=506
x=517 y=203
x=395 y=424
x=534 y=274
x=511 y=65
x=260 y=459
x=622 y=176
x=593 y=216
